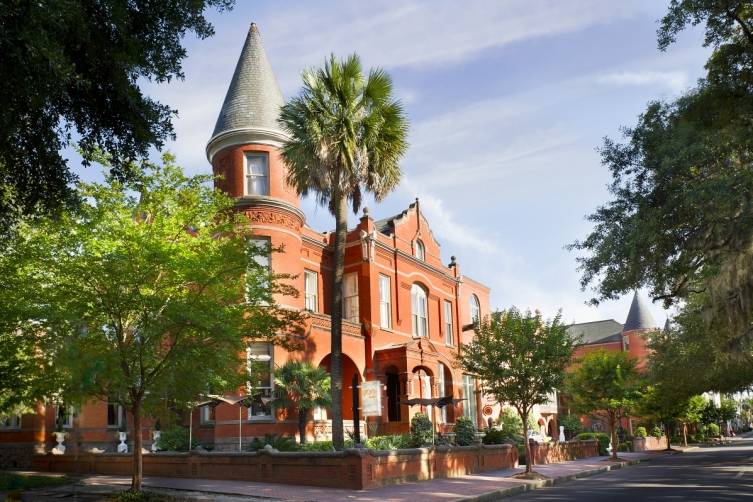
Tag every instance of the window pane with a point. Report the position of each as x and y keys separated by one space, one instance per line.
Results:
x=311 y=280
x=260 y=367
x=385 y=308
x=257 y=174
x=448 y=329
x=350 y=298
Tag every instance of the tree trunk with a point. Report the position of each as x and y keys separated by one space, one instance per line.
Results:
x=613 y=436
x=685 y=434
x=669 y=441
x=138 y=468
x=336 y=366
x=302 y=425
x=529 y=451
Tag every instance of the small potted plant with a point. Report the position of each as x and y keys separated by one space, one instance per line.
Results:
x=122 y=435
x=59 y=449
x=155 y=436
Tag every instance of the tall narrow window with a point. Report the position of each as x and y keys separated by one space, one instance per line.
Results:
x=350 y=297
x=449 y=332
x=207 y=414
x=420 y=250
x=260 y=369
x=257 y=273
x=475 y=309
x=10 y=422
x=469 y=393
x=441 y=392
x=385 y=302
x=311 y=287
x=115 y=414
x=257 y=173
x=420 y=311
x=64 y=415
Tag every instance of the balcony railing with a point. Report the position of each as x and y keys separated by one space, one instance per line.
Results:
x=324 y=323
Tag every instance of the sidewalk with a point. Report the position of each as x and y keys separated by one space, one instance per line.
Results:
x=475 y=487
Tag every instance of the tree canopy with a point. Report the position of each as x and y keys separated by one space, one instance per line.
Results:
x=73 y=69
x=604 y=384
x=150 y=290
x=520 y=359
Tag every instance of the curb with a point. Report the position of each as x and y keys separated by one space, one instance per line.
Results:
x=544 y=483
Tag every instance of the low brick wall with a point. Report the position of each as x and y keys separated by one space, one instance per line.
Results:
x=649 y=443
x=353 y=468
x=551 y=453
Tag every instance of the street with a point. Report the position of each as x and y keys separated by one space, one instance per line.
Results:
x=705 y=474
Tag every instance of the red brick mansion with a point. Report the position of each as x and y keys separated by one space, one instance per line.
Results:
x=407 y=308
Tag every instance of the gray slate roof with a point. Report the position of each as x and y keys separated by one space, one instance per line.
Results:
x=604 y=331
x=639 y=316
x=253 y=99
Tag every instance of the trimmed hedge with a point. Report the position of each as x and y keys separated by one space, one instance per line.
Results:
x=465 y=431
x=600 y=436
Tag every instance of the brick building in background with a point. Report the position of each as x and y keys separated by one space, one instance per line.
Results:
x=406 y=310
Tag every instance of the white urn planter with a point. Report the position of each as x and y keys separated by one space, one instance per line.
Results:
x=562 y=433
x=59 y=449
x=155 y=441
x=122 y=447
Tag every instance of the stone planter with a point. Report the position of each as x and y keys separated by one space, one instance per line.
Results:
x=59 y=449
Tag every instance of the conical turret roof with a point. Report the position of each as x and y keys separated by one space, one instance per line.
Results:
x=639 y=316
x=253 y=99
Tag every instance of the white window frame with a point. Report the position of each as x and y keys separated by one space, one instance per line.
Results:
x=10 y=422
x=469 y=389
x=385 y=301
x=419 y=311
x=419 y=250
x=475 y=305
x=449 y=327
x=119 y=415
x=441 y=391
x=311 y=290
x=68 y=424
x=264 y=260
x=253 y=176
x=267 y=390
x=350 y=297
x=206 y=415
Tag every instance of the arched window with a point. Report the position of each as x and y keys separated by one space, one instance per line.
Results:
x=420 y=250
x=419 y=308
x=475 y=309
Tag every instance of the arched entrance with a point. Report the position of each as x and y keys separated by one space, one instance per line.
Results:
x=421 y=387
x=446 y=414
x=349 y=369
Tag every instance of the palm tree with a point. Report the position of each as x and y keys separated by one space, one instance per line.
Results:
x=347 y=134
x=304 y=387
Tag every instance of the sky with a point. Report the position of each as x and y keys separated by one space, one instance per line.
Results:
x=507 y=100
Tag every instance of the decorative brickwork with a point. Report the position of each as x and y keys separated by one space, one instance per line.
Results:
x=551 y=453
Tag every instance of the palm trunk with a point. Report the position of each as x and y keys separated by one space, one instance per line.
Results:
x=138 y=468
x=302 y=425
x=685 y=434
x=336 y=368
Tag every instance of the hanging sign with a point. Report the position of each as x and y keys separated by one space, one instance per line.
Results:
x=371 y=398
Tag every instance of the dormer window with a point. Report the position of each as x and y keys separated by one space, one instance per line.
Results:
x=257 y=173
x=420 y=250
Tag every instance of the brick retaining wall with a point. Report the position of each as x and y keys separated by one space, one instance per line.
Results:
x=649 y=443
x=353 y=468
x=551 y=453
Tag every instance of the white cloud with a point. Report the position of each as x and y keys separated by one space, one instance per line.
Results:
x=676 y=81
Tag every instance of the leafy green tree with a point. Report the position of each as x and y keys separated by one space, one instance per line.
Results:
x=693 y=247
x=691 y=414
x=662 y=406
x=74 y=69
x=145 y=284
x=520 y=358
x=304 y=387
x=605 y=384
x=571 y=424
x=347 y=135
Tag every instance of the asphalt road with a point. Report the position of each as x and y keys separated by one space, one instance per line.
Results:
x=706 y=474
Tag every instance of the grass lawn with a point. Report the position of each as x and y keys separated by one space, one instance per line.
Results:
x=10 y=481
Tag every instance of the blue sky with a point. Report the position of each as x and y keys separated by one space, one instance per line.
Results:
x=507 y=101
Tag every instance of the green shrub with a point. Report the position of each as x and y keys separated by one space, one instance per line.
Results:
x=316 y=446
x=713 y=431
x=625 y=446
x=276 y=441
x=572 y=425
x=10 y=481
x=421 y=430
x=394 y=442
x=494 y=436
x=600 y=436
x=657 y=432
x=465 y=431
x=143 y=496
x=640 y=432
x=175 y=439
